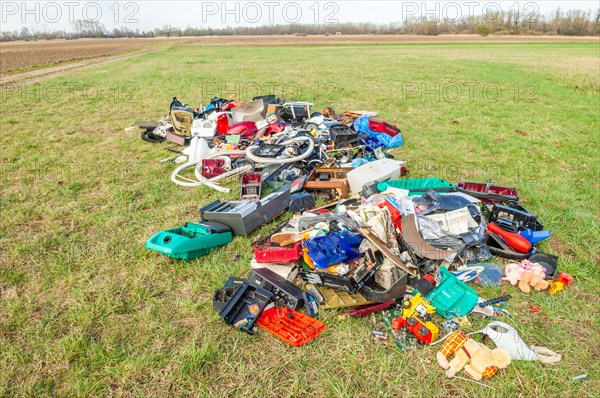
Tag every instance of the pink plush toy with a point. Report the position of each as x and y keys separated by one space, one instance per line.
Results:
x=526 y=274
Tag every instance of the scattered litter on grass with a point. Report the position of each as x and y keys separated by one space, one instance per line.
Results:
x=405 y=254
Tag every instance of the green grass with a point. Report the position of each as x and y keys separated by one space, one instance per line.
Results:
x=86 y=310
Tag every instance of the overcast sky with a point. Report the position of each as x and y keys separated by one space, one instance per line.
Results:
x=149 y=14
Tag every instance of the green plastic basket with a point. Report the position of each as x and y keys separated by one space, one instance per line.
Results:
x=418 y=186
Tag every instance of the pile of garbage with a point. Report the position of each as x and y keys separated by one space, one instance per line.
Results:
x=404 y=250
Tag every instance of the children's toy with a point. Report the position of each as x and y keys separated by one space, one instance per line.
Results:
x=478 y=360
x=416 y=317
x=535 y=236
x=527 y=275
x=560 y=282
x=290 y=326
x=402 y=338
x=192 y=240
x=451 y=297
x=517 y=242
x=497 y=300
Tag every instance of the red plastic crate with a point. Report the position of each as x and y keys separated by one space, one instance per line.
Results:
x=278 y=255
x=290 y=326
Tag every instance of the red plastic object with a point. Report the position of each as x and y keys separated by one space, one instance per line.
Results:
x=245 y=129
x=516 y=241
x=564 y=278
x=394 y=212
x=488 y=193
x=212 y=167
x=275 y=128
x=381 y=126
x=365 y=310
x=290 y=326
x=534 y=308
x=222 y=124
x=278 y=255
x=415 y=327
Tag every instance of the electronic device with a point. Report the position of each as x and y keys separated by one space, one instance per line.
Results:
x=284 y=291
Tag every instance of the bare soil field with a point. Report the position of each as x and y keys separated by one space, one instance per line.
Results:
x=28 y=54
x=291 y=40
x=25 y=55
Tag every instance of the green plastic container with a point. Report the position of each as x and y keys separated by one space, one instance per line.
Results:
x=192 y=240
x=418 y=186
x=451 y=297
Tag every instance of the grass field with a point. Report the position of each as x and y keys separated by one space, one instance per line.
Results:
x=86 y=310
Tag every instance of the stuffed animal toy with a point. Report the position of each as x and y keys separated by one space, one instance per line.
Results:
x=527 y=275
x=478 y=360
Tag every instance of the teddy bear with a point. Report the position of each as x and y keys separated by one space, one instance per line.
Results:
x=527 y=275
x=478 y=360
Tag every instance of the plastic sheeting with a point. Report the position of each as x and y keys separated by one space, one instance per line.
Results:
x=361 y=125
x=471 y=243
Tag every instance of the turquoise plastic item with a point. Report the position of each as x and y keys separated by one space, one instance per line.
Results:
x=418 y=186
x=451 y=297
x=192 y=240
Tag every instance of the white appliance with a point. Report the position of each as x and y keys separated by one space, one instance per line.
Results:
x=372 y=173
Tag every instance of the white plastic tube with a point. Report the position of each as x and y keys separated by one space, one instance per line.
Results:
x=198 y=172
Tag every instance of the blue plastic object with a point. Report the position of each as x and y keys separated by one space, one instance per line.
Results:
x=535 y=236
x=451 y=297
x=361 y=125
x=333 y=248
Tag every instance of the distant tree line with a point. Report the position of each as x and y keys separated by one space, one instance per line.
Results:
x=569 y=23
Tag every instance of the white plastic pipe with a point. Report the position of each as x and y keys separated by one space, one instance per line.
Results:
x=198 y=172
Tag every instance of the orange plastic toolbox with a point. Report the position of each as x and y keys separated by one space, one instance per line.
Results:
x=290 y=326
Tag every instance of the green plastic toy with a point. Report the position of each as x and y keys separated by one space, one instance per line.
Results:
x=192 y=240
x=452 y=298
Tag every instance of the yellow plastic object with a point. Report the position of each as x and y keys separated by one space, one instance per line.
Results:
x=333 y=299
x=419 y=308
x=556 y=287
x=307 y=258
x=417 y=304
